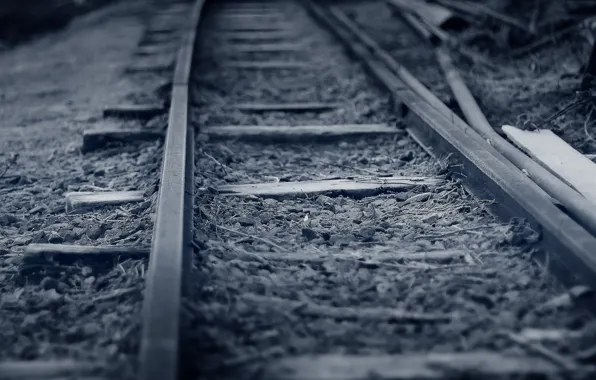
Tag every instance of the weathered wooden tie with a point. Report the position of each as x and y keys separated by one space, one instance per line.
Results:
x=77 y=201
x=134 y=111
x=357 y=188
x=266 y=65
x=59 y=251
x=96 y=139
x=423 y=366
x=148 y=67
x=263 y=48
x=298 y=133
x=252 y=28
x=47 y=369
x=255 y=36
x=287 y=107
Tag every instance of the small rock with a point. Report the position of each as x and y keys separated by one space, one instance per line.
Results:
x=48 y=283
x=309 y=234
x=40 y=237
x=86 y=271
x=91 y=328
x=55 y=238
x=408 y=156
x=68 y=237
x=95 y=232
x=89 y=281
x=366 y=233
x=99 y=172
x=22 y=240
x=37 y=210
x=78 y=232
x=244 y=221
x=431 y=218
x=326 y=236
x=7 y=219
x=270 y=202
x=87 y=168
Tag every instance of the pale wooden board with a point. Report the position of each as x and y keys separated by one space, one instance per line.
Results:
x=297 y=133
x=434 y=14
x=252 y=28
x=255 y=36
x=557 y=156
x=57 y=250
x=82 y=200
x=423 y=366
x=262 y=48
x=47 y=369
x=266 y=65
x=286 y=107
x=349 y=187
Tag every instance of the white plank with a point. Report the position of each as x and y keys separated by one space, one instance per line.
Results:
x=351 y=187
x=81 y=200
x=296 y=133
x=422 y=366
x=266 y=65
x=286 y=107
x=548 y=149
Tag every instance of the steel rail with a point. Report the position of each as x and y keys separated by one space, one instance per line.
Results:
x=171 y=252
x=567 y=246
x=583 y=209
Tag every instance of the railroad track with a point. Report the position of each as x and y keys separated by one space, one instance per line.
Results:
x=312 y=224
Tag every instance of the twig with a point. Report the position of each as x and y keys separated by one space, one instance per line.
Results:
x=561 y=361
x=567 y=109
x=217 y=162
x=446 y=234
x=373 y=314
x=253 y=237
x=11 y=161
x=586 y=124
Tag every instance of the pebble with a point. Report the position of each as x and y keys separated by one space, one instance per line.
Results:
x=95 y=232
x=86 y=271
x=309 y=234
x=246 y=221
x=68 y=237
x=270 y=202
x=7 y=219
x=48 y=283
x=431 y=218
x=55 y=238
x=408 y=156
x=40 y=237
x=366 y=233
x=22 y=240
x=38 y=210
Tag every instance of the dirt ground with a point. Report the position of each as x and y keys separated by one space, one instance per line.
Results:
x=51 y=90
x=320 y=274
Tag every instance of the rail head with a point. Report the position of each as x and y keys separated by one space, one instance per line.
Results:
x=171 y=252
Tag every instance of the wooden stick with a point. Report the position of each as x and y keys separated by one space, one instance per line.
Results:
x=371 y=314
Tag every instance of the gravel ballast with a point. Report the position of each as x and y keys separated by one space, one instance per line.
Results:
x=422 y=270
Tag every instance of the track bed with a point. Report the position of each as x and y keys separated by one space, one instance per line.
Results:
x=408 y=270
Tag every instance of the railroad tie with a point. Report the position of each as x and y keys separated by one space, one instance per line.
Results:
x=298 y=133
x=286 y=107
